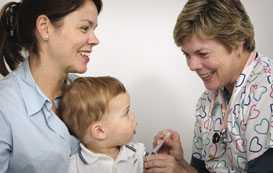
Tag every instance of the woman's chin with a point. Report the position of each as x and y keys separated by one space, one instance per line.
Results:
x=80 y=70
x=211 y=86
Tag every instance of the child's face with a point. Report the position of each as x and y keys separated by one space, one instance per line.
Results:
x=120 y=121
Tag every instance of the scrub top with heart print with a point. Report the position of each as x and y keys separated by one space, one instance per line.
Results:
x=249 y=124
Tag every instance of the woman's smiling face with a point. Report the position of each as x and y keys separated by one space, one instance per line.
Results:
x=213 y=63
x=70 y=45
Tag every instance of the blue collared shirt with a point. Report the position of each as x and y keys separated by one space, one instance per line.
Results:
x=32 y=137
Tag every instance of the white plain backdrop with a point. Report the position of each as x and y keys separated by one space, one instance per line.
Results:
x=137 y=47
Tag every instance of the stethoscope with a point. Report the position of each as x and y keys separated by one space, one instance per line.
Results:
x=220 y=135
x=225 y=108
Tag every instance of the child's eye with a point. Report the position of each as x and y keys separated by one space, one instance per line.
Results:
x=126 y=113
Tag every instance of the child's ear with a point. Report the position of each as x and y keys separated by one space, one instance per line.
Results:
x=98 y=131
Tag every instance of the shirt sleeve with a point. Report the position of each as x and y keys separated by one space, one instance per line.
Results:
x=262 y=164
x=199 y=165
x=5 y=144
x=258 y=127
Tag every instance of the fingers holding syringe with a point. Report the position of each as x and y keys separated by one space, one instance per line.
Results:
x=172 y=144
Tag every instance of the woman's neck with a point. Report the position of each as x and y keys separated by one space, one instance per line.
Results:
x=49 y=80
x=243 y=60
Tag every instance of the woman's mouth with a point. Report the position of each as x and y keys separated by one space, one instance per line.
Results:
x=85 y=55
x=206 y=76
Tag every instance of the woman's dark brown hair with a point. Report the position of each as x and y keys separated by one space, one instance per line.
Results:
x=17 y=26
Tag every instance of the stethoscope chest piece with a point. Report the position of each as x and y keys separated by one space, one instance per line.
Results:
x=216 y=137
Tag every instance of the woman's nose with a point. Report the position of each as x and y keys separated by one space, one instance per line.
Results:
x=93 y=40
x=194 y=63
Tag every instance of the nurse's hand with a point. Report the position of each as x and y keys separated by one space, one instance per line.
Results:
x=164 y=163
x=172 y=146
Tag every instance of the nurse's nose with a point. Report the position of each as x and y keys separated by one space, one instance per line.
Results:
x=194 y=63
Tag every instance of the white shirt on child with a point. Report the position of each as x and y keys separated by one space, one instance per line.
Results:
x=129 y=160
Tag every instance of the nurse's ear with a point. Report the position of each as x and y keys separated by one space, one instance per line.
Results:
x=241 y=47
x=43 y=25
x=239 y=50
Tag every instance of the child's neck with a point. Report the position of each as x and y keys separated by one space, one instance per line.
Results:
x=109 y=151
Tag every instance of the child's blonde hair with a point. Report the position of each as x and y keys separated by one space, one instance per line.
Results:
x=85 y=101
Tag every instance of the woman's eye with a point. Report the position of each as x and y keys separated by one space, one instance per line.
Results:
x=203 y=55
x=84 y=29
x=186 y=55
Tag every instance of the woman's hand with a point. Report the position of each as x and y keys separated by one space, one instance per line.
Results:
x=170 y=158
x=161 y=163
x=171 y=146
x=164 y=163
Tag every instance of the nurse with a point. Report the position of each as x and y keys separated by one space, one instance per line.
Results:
x=233 y=128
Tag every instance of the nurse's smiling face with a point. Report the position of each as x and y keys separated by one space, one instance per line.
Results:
x=213 y=63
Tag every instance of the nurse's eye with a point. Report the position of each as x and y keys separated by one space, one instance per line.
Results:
x=203 y=54
x=84 y=29
x=186 y=55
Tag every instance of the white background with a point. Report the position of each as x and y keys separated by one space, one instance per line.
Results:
x=137 y=47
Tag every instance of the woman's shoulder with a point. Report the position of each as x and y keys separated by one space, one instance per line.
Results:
x=264 y=61
x=10 y=93
x=262 y=73
x=8 y=86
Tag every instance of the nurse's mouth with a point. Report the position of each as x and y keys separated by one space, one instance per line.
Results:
x=206 y=76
